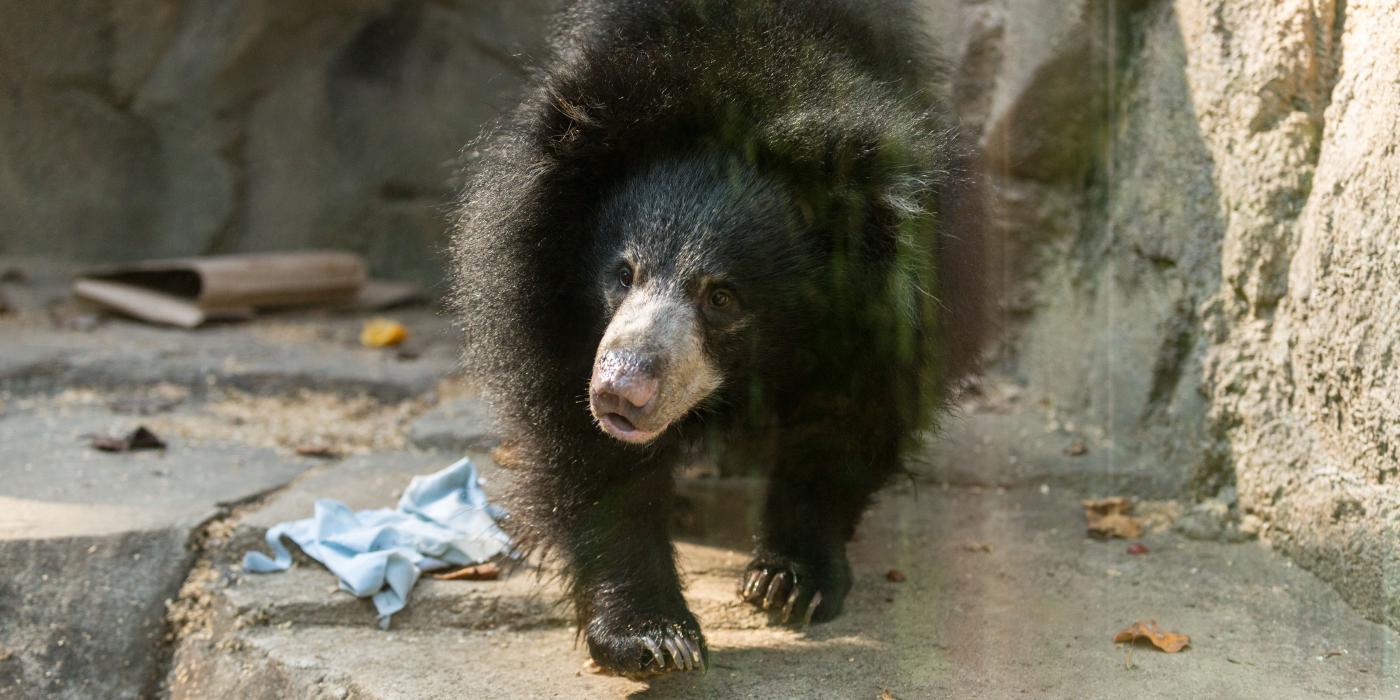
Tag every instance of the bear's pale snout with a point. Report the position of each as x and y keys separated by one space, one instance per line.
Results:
x=651 y=368
x=624 y=380
x=621 y=396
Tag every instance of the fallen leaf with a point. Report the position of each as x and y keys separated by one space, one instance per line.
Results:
x=895 y=575
x=320 y=450
x=982 y=547
x=885 y=694
x=1111 y=517
x=1170 y=642
x=382 y=333
x=143 y=439
x=1076 y=449
x=480 y=572
x=1137 y=548
x=139 y=439
x=1115 y=504
x=109 y=443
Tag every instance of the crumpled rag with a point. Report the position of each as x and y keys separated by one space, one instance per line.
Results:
x=442 y=520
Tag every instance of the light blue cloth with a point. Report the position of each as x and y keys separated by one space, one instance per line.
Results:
x=442 y=520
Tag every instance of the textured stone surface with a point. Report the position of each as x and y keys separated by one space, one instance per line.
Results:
x=1308 y=322
x=84 y=616
x=281 y=354
x=1003 y=595
x=454 y=426
x=174 y=127
x=1204 y=265
x=93 y=545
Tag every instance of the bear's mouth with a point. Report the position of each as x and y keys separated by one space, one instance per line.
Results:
x=618 y=426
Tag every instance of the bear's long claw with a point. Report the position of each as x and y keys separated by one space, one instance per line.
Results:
x=791 y=601
x=689 y=653
x=775 y=590
x=700 y=657
x=677 y=658
x=753 y=586
x=812 y=608
x=657 y=657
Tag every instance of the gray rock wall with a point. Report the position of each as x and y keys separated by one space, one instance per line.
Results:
x=1203 y=259
x=139 y=128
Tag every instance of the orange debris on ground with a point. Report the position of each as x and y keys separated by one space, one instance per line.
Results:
x=382 y=333
x=1170 y=642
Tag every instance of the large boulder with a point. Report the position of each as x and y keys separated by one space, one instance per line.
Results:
x=1204 y=269
x=146 y=128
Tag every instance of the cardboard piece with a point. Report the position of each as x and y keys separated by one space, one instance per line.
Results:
x=189 y=292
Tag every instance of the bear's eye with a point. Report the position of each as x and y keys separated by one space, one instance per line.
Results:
x=624 y=275
x=720 y=298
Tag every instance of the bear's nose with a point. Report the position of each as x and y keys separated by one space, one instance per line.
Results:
x=627 y=378
x=636 y=389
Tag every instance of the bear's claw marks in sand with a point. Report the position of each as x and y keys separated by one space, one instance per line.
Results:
x=768 y=585
x=660 y=649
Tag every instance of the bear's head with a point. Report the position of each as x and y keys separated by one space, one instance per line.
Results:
x=693 y=254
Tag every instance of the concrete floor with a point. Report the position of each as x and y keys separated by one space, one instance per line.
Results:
x=120 y=575
x=1002 y=596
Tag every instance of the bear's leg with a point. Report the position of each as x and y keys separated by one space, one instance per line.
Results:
x=816 y=495
x=626 y=588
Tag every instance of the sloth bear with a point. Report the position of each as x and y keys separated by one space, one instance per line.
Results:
x=739 y=225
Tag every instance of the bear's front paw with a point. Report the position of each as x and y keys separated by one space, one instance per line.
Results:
x=795 y=591
x=633 y=648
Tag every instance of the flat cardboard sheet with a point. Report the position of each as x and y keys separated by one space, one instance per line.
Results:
x=188 y=292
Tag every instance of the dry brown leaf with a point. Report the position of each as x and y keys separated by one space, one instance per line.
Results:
x=139 y=439
x=1170 y=642
x=1115 y=504
x=1111 y=517
x=317 y=449
x=481 y=572
x=895 y=576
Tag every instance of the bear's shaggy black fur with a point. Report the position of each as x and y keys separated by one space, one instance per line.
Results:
x=798 y=152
